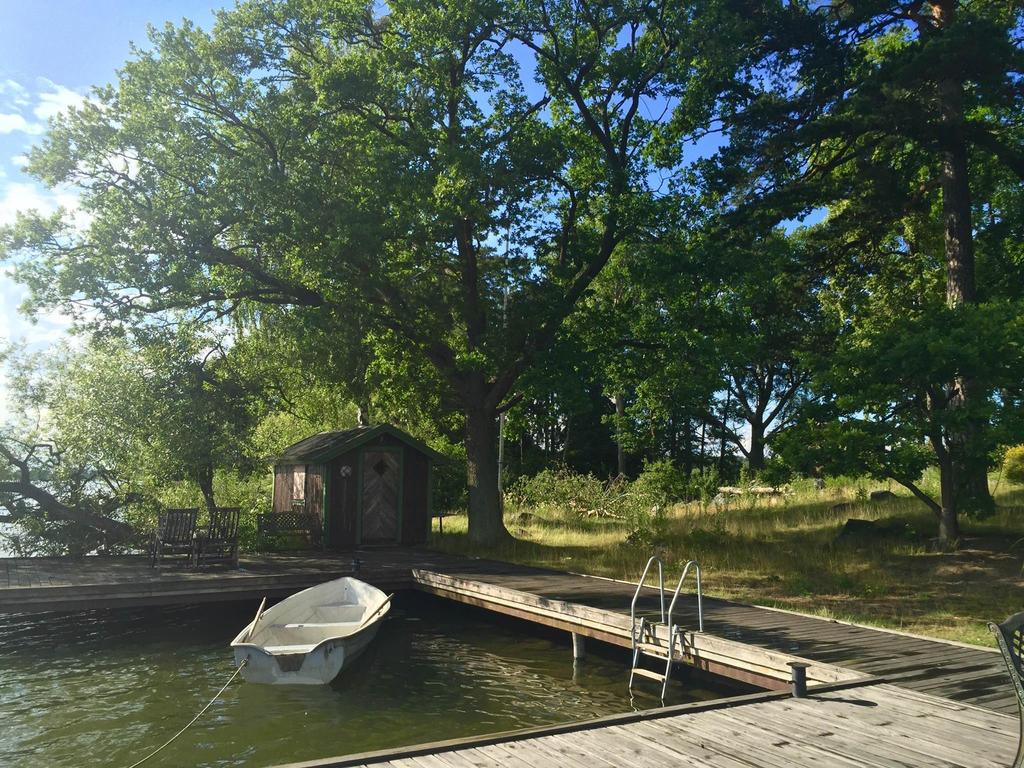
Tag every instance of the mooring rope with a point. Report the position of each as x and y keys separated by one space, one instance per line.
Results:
x=193 y=720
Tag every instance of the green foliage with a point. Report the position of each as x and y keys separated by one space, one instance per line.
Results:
x=1013 y=464
x=574 y=495
x=776 y=473
x=662 y=483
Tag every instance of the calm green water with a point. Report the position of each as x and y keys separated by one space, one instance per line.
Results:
x=104 y=688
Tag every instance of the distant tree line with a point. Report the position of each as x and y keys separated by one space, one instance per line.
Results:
x=779 y=235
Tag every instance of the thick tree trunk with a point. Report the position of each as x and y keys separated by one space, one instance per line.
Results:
x=755 y=458
x=486 y=525
x=967 y=446
x=363 y=414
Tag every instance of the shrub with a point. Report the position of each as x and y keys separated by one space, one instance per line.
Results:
x=776 y=472
x=1013 y=464
x=662 y=483
x=705 y=484
x=574 y=494
x=646 y=525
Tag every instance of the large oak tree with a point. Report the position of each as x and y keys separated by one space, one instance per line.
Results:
x=454 y=173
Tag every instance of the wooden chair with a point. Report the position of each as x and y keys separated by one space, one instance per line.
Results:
x=1010 y=636
x=218 y=542
x=175 y=534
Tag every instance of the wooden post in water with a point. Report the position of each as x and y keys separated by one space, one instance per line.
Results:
x=579 y=648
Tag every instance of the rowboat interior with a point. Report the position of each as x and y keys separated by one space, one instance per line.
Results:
x=334 y=620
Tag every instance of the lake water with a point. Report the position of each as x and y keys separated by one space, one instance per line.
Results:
x=104 y=688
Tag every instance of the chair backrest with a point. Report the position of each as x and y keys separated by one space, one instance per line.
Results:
x=178 y=526
x=224 y=524
x=1010 y=637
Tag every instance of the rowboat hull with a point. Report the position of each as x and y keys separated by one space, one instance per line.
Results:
x=291 y=644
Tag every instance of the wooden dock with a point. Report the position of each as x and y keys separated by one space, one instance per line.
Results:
x=879 y=698
x=878 y=725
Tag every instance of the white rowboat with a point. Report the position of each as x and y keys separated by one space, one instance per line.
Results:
x=308 y=638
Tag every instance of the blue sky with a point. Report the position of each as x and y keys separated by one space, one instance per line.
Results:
x=51 y=53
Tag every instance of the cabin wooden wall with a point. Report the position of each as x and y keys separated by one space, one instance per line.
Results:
x=415 y=498
x=312 y=487
x=315 y=488
x=342 y=502
x=283 y=488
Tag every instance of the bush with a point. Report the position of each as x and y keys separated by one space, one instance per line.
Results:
x=1013 y=464
x=646 y=525
x=574 y=494
x=705 y=484
x=776 y=472
x=662 y=483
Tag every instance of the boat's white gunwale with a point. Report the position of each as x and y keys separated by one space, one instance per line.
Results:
x=256 y=646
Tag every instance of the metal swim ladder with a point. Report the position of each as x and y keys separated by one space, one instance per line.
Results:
x=644 y=631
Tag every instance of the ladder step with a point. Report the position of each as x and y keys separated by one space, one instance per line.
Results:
x=648 y=674
x=653 y=649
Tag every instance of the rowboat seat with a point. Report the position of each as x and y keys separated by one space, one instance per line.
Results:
x=321 y=625
x=275 y=649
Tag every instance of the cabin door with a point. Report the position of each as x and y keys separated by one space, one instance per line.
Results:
x=382 y=491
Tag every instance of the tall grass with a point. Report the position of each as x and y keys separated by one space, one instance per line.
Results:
x=787 y=552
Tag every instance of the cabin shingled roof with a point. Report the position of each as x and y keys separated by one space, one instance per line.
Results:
x=325 y=446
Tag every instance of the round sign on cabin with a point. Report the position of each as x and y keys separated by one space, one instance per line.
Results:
x=346 y=471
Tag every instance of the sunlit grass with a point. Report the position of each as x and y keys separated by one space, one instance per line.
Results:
x=787 y=553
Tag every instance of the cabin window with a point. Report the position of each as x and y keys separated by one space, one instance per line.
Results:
x=299 y=484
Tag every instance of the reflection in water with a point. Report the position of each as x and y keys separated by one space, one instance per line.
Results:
x=104 y=688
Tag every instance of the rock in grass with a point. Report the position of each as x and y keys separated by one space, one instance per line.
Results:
x=882 y=496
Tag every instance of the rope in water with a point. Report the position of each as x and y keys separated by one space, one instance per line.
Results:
x=193 y=720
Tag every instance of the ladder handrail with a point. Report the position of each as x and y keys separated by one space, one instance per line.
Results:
x=700 y=600
x=640 y=586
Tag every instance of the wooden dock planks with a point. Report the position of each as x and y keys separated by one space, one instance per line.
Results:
x=876 y=725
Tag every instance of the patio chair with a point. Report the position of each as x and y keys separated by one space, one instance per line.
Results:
x=218 y=542
x=1010 y=636
x=175 y=535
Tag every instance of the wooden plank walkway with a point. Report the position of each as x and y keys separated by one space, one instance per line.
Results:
x=957 y=672
x=880 y=725
x=951 y=670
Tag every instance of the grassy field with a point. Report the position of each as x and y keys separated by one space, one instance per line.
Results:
x=787 y=553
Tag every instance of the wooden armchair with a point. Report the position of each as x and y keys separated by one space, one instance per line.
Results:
x=175 y=534
x=218 y=542
x=1010 y=637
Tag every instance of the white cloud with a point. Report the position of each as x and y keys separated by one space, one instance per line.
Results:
x=19 y=161
x=13 y=92
x=14 y=123
x=24 y=196
x=55 y=100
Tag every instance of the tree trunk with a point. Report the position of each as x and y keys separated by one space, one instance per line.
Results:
x=755 y=458
x=486 y=525
x=949 y=525
x=363 y=414
x=967 y=446
x=204 y=478
x=620 y=419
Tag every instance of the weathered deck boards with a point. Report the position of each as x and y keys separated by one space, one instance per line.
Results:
x=953 y=671
x=872 y=725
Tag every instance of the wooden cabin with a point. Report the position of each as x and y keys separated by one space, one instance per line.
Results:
x=368 y=485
